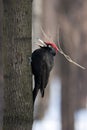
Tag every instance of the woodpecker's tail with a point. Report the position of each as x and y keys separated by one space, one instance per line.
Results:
x=35 y=92
x=42 y=92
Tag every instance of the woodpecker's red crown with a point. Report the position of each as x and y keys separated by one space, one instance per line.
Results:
x=53 y=45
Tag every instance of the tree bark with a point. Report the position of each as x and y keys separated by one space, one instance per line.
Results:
x=1 y=68
x=18 y=111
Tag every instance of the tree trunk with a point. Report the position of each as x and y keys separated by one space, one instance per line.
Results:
x=1 y=68
x=18 y=111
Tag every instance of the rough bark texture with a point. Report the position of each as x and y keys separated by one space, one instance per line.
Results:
x=1 y=69
x=18 y=111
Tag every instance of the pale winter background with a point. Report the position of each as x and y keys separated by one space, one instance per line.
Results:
x=64 y=106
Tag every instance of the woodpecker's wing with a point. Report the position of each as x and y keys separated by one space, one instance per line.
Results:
x=42 y=63
x=44 y=77
x=47 y=64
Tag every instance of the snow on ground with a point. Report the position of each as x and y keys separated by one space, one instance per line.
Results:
x=81 y=119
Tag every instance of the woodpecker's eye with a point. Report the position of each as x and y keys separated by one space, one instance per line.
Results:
x=52 y=50
x=49 y=46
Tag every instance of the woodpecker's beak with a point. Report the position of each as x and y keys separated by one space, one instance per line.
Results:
x=42 y=43
x=39 y=44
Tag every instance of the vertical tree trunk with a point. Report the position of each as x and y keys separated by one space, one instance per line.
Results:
x=18 y=111
x=68 y=89
x=1 y=68
x=67 y=97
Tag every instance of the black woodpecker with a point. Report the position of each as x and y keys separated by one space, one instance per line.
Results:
x=42 y=61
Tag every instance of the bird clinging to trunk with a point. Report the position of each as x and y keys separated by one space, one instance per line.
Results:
x=42 y=61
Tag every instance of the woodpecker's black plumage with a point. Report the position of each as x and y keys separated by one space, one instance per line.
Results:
x=42 y=61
